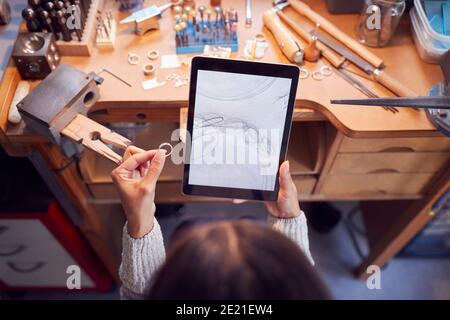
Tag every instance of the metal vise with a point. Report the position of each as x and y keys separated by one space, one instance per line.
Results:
x=59 y=105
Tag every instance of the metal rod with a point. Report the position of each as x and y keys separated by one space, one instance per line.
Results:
x=361 y=87
x=439 y=102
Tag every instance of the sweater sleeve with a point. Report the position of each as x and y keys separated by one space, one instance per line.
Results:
x=295 y=229
x=141 y=258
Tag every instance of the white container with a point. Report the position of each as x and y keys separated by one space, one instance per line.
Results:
x=427 y=51
x=430 y=44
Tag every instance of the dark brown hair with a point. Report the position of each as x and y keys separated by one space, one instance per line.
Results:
x=236 y=260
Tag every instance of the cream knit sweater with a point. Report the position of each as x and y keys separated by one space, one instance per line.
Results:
x=141 y=258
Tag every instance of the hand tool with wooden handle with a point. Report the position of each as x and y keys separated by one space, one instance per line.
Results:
x=436 y=104
x=380 y=76
x=290 y=47
x=329 y=27
x=327 y=53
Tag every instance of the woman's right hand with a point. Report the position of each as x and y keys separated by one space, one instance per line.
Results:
x=287 y=205
x=135 y=179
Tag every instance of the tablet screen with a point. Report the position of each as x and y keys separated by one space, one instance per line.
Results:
x=237 y=131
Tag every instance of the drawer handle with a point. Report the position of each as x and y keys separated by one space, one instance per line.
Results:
x=17 y=269
x=386 y=170
x=17 y=250
x=398 y=149
x=3 y=229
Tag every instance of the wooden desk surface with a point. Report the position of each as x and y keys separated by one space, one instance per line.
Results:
x=400 y=57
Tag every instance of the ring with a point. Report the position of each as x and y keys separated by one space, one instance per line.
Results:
x=304 y=73
x=326 y=71
x=260 y=37
x=149 y=69
x=317 y=75
x=166 y=144
x=153 y=54
x=133 y=58
x=171 y=76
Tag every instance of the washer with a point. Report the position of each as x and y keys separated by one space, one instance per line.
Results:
x=149 y=69
x=133 y=58
x=326 y=71
x=153 y=54
x=318 y=75
x=304 y=73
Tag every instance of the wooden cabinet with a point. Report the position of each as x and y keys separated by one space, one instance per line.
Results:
x=306 y=153
x=385 y=168
x=376 y=185
x=389 y=144
x=393 y=162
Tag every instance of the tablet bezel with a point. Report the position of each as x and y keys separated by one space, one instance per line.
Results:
x=241 y=67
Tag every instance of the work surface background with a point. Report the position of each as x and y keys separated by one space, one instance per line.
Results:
x=400 y=57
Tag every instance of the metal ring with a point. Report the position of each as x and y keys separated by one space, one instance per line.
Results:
x=166 y=144
x=149 y=69
x=260 y=37
x=326 y=71
x=171 y=76
x=304 y=73
x=133 y=58
x=317 y=75
x=153 y=54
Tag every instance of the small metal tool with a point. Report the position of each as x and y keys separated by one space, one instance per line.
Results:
x=379 y=75
x=248 y=13
x=29 y=16
x=61 y=19
x=436 y=104
x=440 y=102
x=361 y=87
x=5 y=12
x=146 y=19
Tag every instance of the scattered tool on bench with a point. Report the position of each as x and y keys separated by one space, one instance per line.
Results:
x=353 y=51
x=436 y=104
x=290 y=47
x=327 y=53
x=304 y=10
x=57 y=109
x=146 y=19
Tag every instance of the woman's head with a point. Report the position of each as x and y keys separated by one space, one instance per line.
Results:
x=236 y=260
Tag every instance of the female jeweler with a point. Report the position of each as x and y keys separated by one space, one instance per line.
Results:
x=222 y=260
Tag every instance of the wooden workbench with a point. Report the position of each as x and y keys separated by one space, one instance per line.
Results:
x=396 y=163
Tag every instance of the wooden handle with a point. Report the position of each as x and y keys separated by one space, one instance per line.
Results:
x=326 y=25
x=93 y=136
x=281 y=34
x=393 y=84
x=327 y=53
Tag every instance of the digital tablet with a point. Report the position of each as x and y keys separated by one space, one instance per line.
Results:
x=239 y=120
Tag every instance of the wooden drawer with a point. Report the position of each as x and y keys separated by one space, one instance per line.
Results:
x=166 y=192
x=375 y=184
x=424 y=144
x=170 y=192
x=394 y=162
